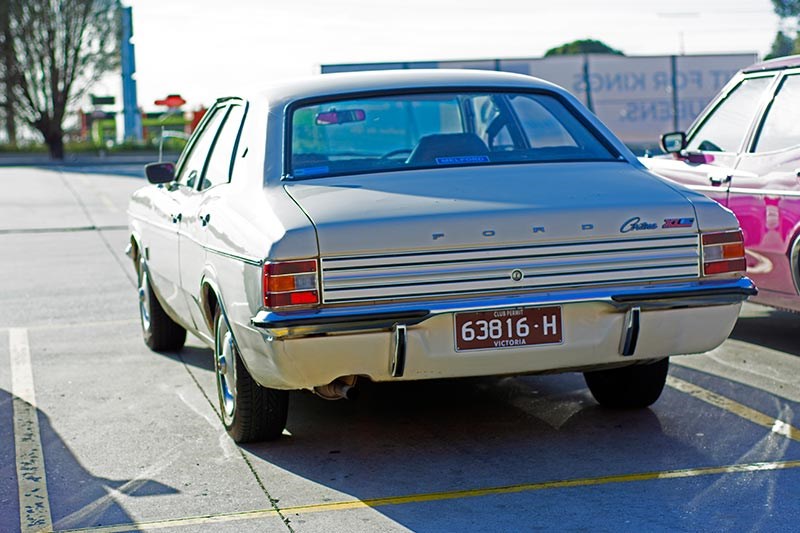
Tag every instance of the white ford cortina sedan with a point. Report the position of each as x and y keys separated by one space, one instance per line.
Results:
x=420 y=225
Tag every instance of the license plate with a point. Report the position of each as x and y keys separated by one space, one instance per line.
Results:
x=508 y=328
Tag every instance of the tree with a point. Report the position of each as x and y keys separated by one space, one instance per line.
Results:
x=62 y=47
x=7 y=61
x=786 y=8
x=781 y=46
x=583 y=46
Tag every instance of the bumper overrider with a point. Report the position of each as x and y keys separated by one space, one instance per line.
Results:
x=293 y=324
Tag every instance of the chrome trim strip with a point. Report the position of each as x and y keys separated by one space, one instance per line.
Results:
x=530 y=282
x=511 y=252
x=654 y=296
x=764 y=192
x=231 y=255
x=544 y=266
x=382 y=276
x=385 y=317
x=519 y=289
x=708 y=188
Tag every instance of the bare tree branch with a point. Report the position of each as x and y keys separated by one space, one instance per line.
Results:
x=61 y=47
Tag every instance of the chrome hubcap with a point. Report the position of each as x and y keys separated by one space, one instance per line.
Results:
x=226 y=370
x=144 y=301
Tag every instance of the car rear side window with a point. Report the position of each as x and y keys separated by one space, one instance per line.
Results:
x=192 y=167
x=431 y=130
x=725 y=128
x=548 y=124
x=781 y=128
x=218 y=169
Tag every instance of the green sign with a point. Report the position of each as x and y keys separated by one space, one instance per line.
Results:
x=102 y=100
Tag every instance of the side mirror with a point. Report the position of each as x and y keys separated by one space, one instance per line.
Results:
x=160 y=172
x=673 y=142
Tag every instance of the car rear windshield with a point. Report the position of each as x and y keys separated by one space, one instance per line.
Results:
x=412 y=131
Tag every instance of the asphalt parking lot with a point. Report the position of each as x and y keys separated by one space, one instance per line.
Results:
x=97 y=433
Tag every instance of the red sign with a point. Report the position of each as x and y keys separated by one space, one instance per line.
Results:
x=173 y=100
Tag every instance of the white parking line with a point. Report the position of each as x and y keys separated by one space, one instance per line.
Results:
x=34 y=505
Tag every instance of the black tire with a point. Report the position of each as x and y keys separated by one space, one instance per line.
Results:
x=628 y=387
x=250 y=412
x=161 y=333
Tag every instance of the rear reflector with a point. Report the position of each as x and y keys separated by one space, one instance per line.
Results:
x=289 y=283
x=283 y=299
x=723 y=253
x=723 y=267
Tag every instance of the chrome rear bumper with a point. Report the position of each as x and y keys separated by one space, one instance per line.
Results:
x=304 y=323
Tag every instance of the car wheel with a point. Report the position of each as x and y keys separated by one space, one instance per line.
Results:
x=249 y=411
x=628 y=387
x=161 y=333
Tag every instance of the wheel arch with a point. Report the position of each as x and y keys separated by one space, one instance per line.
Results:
x=134 y=249
x=794 y=259
x=211 y=301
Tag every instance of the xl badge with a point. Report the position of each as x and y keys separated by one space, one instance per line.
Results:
x=678 y=223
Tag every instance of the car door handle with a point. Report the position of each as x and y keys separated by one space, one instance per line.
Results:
x=716 y=181
x=205 y=218
x=176 y=218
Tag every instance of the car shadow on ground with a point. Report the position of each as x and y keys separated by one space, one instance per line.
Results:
x=408 y=438
x=414 y=438
x=195 y=356
x=775 y=329
x=78 y=499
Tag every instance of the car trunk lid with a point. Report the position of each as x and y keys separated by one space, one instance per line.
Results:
x=476 y=229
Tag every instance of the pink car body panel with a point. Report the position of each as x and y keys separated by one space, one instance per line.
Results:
x=761 y=188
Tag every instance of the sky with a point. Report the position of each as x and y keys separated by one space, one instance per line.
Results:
x=204 y=49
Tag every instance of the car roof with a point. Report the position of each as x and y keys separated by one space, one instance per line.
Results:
x=388 y=80
x=779 y=63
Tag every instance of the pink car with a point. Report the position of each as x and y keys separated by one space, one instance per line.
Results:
x=744 y=152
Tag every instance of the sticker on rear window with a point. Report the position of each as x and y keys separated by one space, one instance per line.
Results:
x=464 y=159
x=311 y=171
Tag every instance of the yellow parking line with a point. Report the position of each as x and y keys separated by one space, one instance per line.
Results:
x=34 y=505
x=449 y=495
x=761 y=419
x=776 y=426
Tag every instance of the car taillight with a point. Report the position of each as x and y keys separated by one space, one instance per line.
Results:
x=289 y=283
x=723 y=253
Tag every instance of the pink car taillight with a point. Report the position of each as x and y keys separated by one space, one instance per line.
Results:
x=290 y=283
x=723 y=253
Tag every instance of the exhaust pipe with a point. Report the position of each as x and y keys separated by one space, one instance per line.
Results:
x=348 y=392
x=342 y=388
